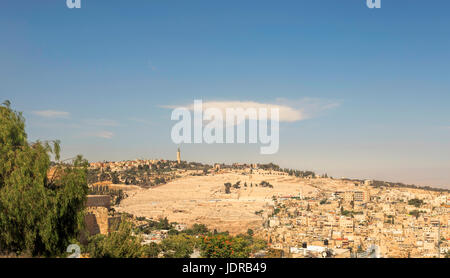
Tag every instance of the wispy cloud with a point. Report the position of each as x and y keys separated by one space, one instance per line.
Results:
x=311 y=107
x=101 y=122
x=101 y=134
x=51 y=113
x=53 y=125
x=140 y=120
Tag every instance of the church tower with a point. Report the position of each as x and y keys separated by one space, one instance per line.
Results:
x=178 y=156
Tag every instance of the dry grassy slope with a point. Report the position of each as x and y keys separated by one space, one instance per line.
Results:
x=202 y=199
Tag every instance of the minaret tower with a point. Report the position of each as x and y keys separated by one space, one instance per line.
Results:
x=178 y=156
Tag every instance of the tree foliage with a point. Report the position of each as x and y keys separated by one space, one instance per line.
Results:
x=39 y=215
x=415 y=202
x=178 y=246
x=120 y=243
x=227 y=188
x=197 y=229
x=225 y=246
x=274 y=253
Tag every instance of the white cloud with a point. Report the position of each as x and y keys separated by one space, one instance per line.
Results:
x=51 y=113
x=286 y=113
x=289 y=111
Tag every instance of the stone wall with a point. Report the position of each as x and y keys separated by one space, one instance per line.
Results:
x=100 y=223
x=97 y=219
x=91 y=224
x=98 y=201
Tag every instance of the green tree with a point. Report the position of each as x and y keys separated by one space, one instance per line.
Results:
x=197 y=229
x=172 y=231
x=415 y=202
x=227 y=187
x=415 y=213
x=40 y=214
x=117 y=244
x=151 y=250
x=115 y=178
x=164 y=224
x=225 y=246
x=274 y=253
x=178 y=246
x=276 y=211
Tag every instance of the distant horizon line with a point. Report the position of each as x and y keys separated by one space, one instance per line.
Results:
x=424 y=187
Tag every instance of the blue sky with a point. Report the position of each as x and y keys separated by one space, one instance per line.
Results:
x=110 y=67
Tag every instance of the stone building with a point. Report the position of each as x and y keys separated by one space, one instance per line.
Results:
x=97 y=218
